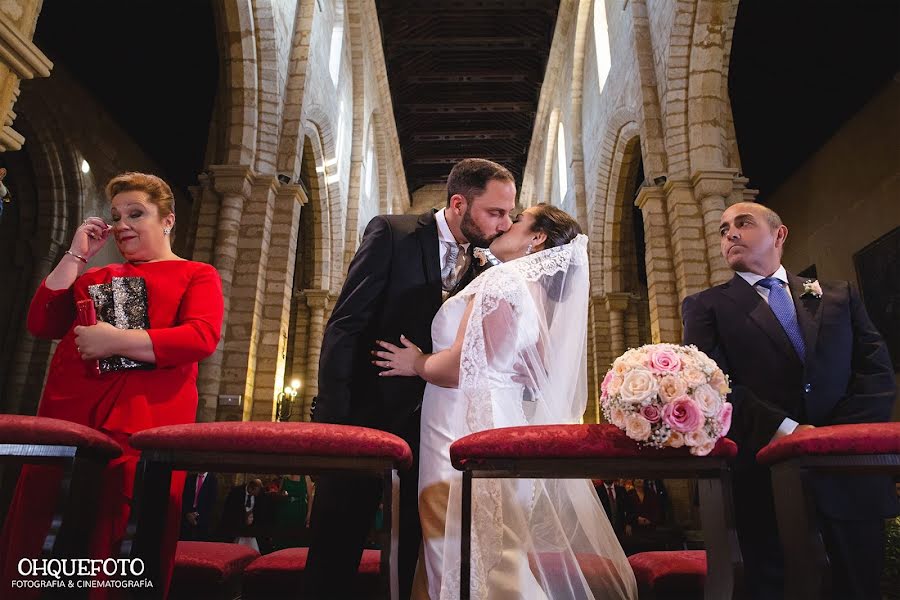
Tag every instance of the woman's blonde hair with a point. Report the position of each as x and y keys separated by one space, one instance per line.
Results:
x=158 y=191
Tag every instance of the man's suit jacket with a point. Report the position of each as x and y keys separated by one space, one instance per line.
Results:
x=393 y=287
x=206 y=500
x=234 y=514
x=619 y=518
x=846 y=377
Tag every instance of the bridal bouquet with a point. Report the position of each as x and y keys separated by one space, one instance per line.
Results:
x=665 y=395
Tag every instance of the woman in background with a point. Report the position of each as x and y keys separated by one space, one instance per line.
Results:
x=184 y=307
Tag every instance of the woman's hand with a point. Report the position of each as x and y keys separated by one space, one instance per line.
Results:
x=398 y=361
x=98 y=341
x=90 y=237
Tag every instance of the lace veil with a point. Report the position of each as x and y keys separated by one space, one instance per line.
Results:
x=524 y=363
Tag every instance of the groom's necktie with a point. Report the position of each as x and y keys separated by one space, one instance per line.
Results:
x=783 y=306
x=455 y=259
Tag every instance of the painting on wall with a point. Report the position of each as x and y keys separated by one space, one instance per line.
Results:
x=878 y=273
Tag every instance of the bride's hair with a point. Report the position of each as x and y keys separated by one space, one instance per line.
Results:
x=557 y=224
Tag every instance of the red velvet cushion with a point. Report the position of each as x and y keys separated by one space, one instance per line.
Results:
x=22 y=429
x=209 y=563
x=596 y=569
x=270 y=575
x=678 y=572
x=304 y=439
x=864 y=438
x=564 y=441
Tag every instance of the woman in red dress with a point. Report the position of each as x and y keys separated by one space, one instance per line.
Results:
x=184 y=306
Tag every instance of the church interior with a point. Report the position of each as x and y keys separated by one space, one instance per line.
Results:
x=285 y=126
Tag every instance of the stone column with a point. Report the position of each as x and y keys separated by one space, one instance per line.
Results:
x=317 y=300
x=662 y=291
x=712 y=187
x=207 y=217
x=232 y=184
x=688 y=240
x=617 y=304
x=271 y=371
x=248 y=296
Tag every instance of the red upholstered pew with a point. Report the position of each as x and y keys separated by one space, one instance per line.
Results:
x=258 y=447
x=604 y=451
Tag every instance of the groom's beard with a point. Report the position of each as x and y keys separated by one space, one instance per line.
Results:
x=474 y=235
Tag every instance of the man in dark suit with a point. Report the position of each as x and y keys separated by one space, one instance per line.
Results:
x=197 y=502
x=405 y=266
x=800 y=354
x=239 y=514
x=612 y=497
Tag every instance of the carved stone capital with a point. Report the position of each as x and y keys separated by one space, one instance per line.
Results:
x=232 y=179
x=617 y=301
x=713 y=182
x=317 y=298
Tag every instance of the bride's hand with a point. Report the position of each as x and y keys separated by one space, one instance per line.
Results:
x=397 y=360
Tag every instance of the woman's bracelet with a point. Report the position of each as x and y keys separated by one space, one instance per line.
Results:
x=78 y=256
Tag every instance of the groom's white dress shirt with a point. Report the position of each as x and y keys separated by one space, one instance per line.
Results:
x=445 y=235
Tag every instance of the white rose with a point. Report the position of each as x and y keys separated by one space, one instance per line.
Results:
x=617 y=417
x=709 y=400
x=693 y=376
x=638 y=385
x=697 y=437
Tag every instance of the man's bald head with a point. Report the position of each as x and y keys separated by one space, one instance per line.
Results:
x=752 y=238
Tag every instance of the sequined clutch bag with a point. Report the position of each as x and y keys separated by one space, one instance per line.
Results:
x=123 y=304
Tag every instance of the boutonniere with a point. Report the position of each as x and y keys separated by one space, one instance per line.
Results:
x=812 y=288
x=485 y=257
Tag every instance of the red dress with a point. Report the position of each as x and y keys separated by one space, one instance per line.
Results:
x=184 y=305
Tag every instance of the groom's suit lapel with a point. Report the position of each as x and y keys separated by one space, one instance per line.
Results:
x=750 y=303
x=427 y=233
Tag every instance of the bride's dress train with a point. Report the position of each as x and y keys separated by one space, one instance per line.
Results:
x=522 y=364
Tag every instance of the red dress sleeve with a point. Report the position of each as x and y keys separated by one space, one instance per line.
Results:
x=199 y=323
x=51 y=313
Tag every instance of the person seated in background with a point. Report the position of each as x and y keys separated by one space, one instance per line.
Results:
x=197 y=502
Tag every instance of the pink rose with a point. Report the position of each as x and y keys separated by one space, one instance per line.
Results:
x=671 y=387
x=664 y=360
x=683 y=415
x=724 y=418
x=651 y=413
x=637 y=428
x=615 y=384
x=708 y=399
x=605 y=385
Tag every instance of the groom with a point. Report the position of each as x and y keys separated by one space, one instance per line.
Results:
x=799 y=354
x=406 y=265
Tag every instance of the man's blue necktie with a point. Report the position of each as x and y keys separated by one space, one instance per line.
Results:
x=783 y=306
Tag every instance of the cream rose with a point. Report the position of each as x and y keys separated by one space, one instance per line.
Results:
x=638 y=385
x=676 y=440
x=614 y=385
x=719 y=382
x=693 y=376
x=708 y=399
x=637 y=427
x=671 y=387
x=617 y=417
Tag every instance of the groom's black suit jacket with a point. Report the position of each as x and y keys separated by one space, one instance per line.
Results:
x=846 y=378
x=393 y=287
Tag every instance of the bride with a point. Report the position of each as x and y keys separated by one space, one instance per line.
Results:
x=510 y=349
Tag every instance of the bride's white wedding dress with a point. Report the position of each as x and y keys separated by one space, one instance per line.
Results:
x=523 y=363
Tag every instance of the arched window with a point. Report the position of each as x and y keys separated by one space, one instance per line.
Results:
x=562 y=163
x=337 y=45
x=601 y=43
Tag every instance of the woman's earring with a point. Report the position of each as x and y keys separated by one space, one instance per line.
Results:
x=529 y=248
x=166 y=230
